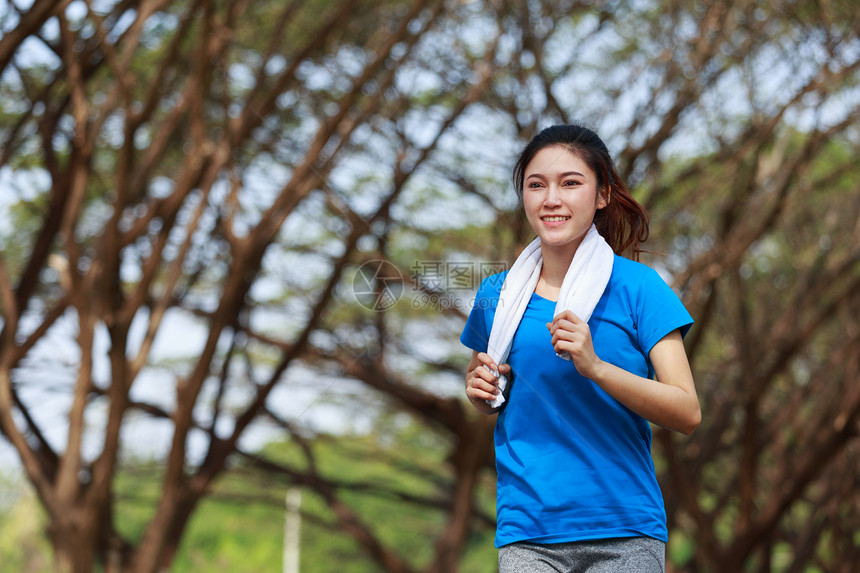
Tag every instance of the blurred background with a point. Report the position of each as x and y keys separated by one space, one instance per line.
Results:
x=239 y=240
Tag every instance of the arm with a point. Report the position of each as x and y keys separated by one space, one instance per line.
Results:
x=481 y=385
x=670 y=401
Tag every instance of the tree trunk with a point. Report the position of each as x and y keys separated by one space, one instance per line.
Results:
x=73 y=537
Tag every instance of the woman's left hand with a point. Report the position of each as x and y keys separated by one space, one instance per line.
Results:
x=571 y=334
x=670 y=401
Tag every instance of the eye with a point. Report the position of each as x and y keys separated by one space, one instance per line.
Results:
x=534 y=185
x=571 y=183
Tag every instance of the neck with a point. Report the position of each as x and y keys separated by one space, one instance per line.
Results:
x=556 y=261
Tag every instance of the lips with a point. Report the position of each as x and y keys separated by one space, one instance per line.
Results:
x=554 y=218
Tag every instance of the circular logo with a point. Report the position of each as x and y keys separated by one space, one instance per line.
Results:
x=377 y=285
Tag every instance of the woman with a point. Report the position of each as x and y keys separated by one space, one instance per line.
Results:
x=576 y=483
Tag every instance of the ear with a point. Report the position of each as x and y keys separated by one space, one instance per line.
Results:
x=603 y=198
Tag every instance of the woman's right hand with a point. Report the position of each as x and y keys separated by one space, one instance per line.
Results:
x=481 y=384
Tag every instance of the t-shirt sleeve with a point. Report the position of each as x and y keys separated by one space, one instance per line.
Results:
x=660 y=311
x=476 y=333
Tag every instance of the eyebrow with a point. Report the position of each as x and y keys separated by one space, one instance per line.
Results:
x=565 y=174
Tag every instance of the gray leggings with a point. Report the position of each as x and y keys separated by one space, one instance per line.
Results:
x=635 y=554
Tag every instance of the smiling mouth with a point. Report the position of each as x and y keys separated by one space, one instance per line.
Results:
x=554 y=219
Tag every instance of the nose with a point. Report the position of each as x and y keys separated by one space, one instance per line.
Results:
x=552 y=197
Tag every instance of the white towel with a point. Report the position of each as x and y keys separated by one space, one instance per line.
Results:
x=583 y=285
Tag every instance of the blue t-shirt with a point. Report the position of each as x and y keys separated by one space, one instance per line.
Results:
x=573 y=463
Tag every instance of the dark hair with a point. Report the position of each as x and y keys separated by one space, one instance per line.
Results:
x=623 y=222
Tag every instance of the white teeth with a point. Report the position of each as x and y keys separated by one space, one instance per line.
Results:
x=555 y=219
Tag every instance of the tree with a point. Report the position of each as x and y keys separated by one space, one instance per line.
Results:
x=159 y=126
x=237 y=163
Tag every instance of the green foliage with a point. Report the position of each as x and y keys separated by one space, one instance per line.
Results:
x=240 y=527
x=136 y=489
x=227 y=535
x=23 y=545
x=377 y=475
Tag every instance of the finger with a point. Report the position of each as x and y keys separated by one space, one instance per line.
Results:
x=559 y=322
x=483 y=390
x=487 y=361
x=556 y=326
x=561 y=343
x=568 y=315
x=485 y=373
x=561 y=334
x=569 y=324
x=484 y=385
x=491 y=387
x=485 y=396
x=566 y=345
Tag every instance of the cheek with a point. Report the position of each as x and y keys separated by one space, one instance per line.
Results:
x=530 y=204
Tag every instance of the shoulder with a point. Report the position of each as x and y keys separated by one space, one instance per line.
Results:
x=639 y=282
x=655 y=307
x=633 y=273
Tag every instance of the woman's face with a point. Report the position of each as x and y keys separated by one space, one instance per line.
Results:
x=560 y=197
